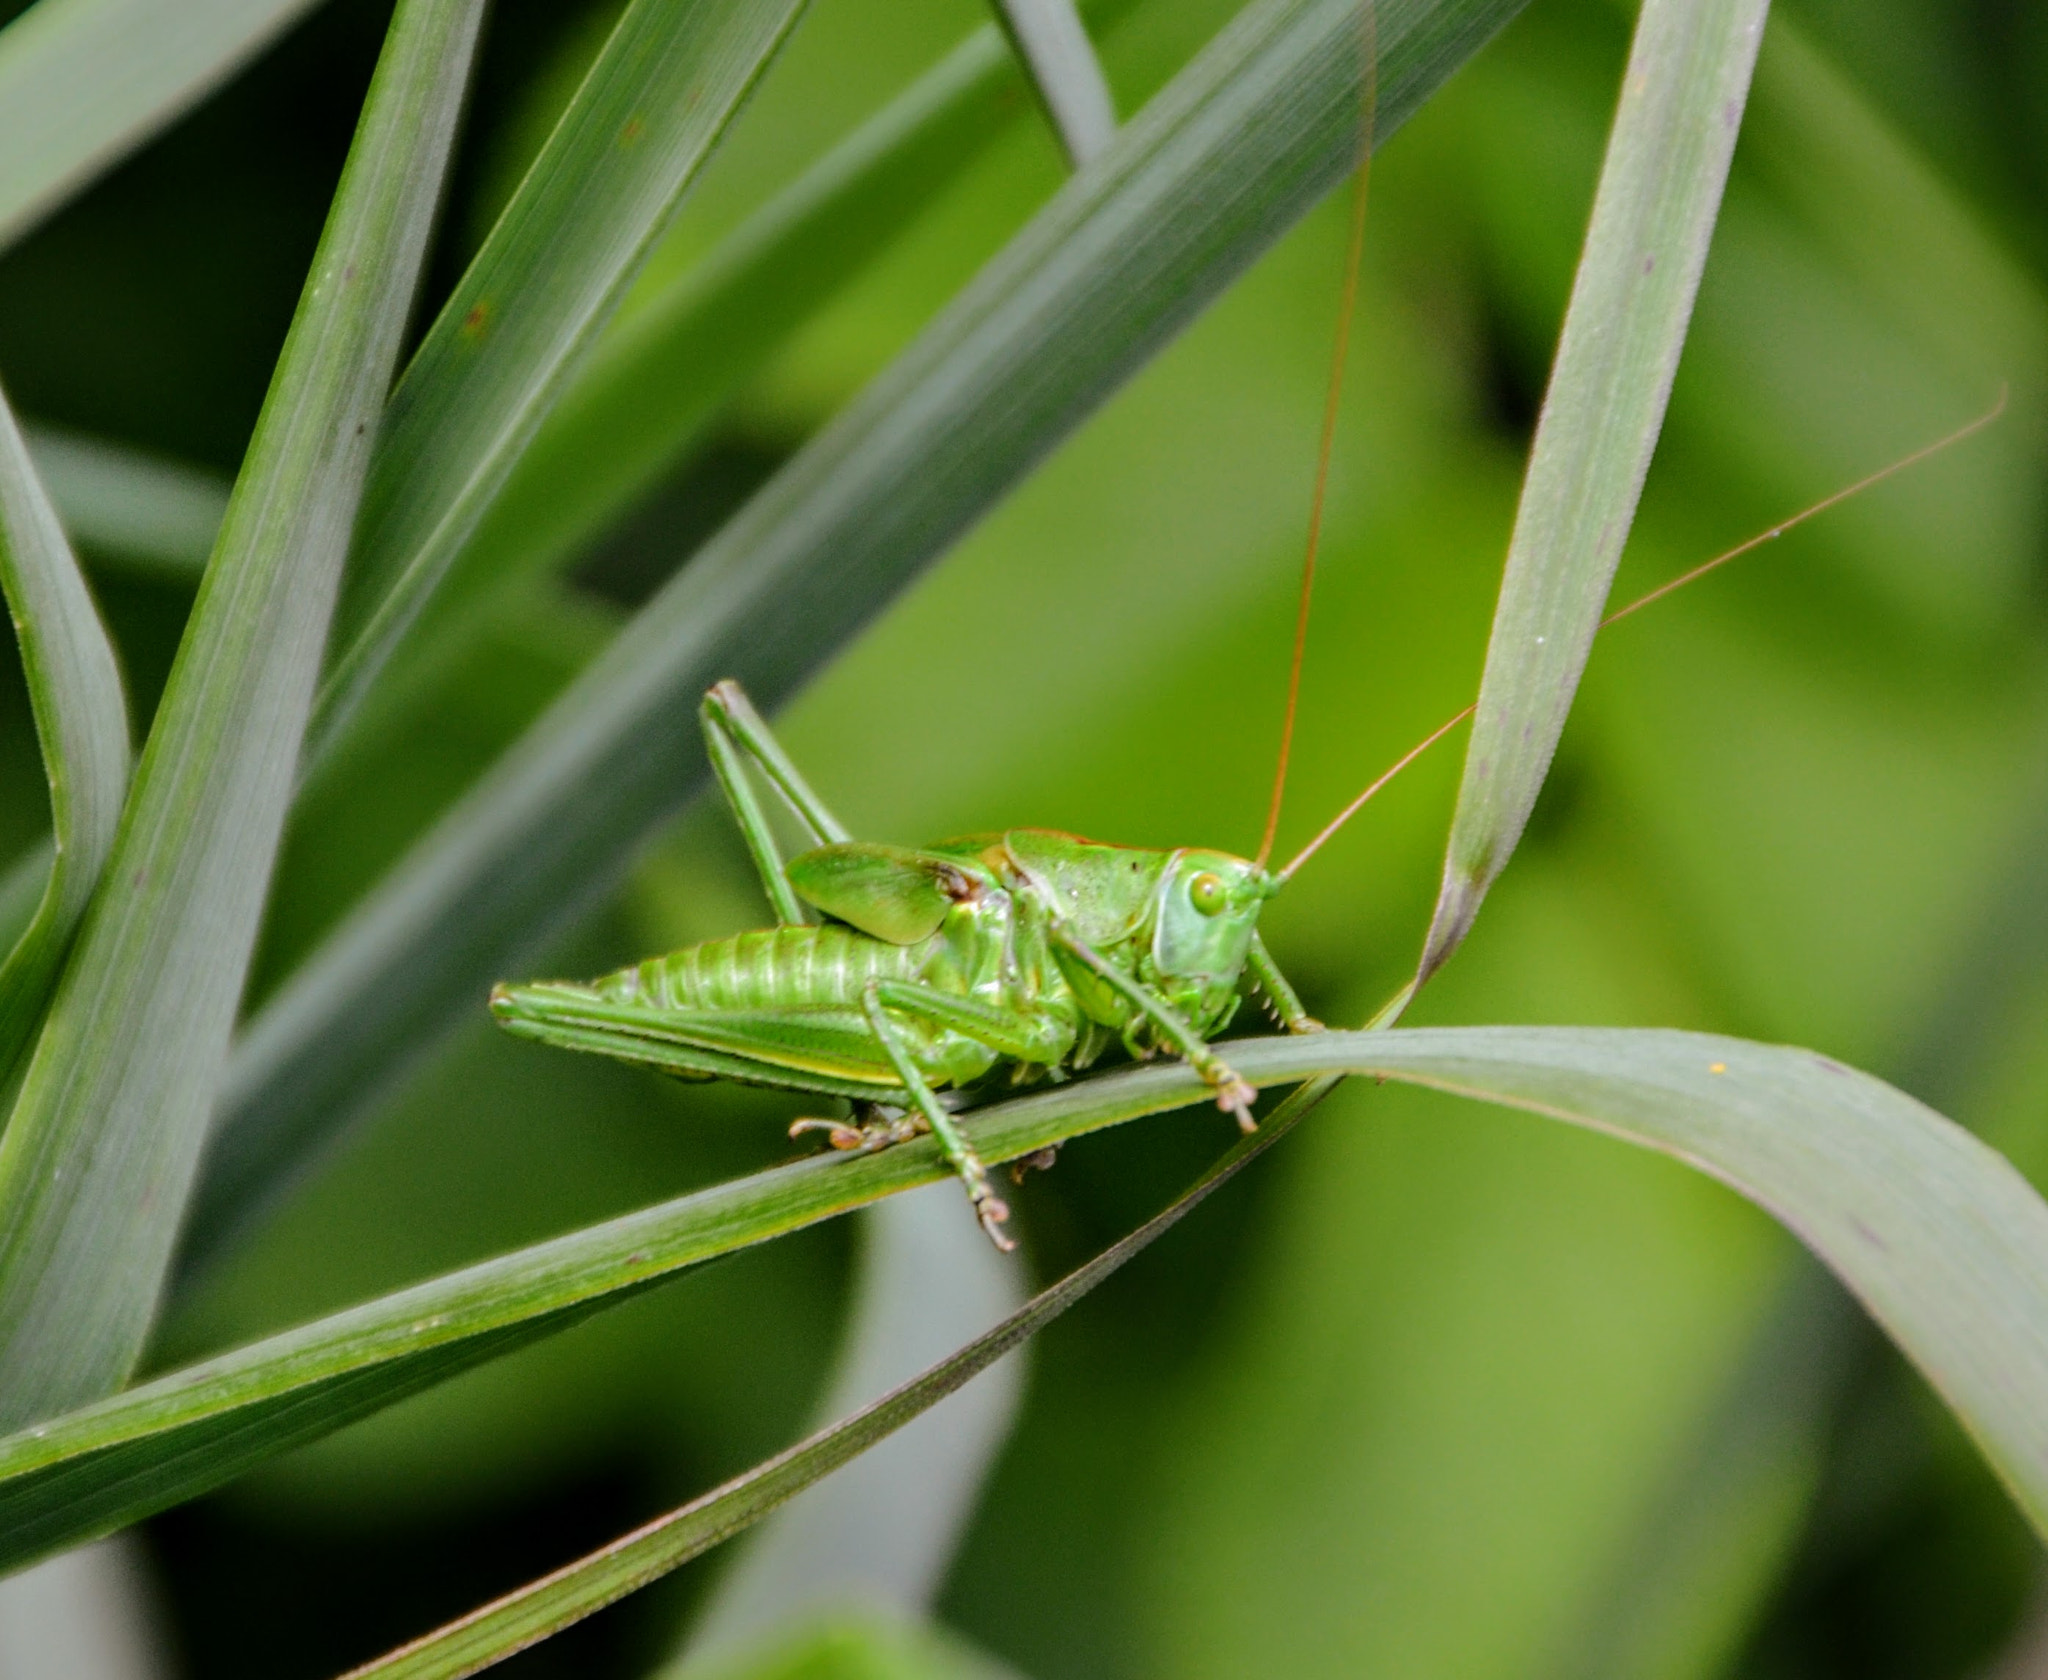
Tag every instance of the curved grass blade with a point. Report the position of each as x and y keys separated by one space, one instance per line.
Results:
x=98 y=1158
x=129 y=507
x=1222 y=162
x=1660 y=191
x=608 y=181
x=1052 y=43
x=81 y=713
x=85 y=82
x=1941 y=1239
x=545 y=1607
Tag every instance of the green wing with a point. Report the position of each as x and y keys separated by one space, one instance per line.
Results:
x=887 y=891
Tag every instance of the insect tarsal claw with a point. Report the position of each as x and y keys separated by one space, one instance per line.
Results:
x=994 y=1212
x=838 y=1133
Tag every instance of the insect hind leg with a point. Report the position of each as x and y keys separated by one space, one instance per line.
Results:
x=735 y=735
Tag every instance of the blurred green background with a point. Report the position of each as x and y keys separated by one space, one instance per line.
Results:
x=1436 y=1391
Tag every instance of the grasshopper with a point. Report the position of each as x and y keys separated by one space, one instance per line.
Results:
x=988 y=959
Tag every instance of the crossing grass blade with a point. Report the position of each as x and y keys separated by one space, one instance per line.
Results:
x=1943 y=1242
x=1653 y=218
x=1210 y=174
x=563 y=1598
x=660 y=96
x=658 y=377
x=85 y=82
x=74 y=688
x=1052 y=43
x=100 y=1153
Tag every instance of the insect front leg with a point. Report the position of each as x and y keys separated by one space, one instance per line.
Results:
x=989 y=1208
x=735 y=735
x=1265 y=973
x=1234 y=1093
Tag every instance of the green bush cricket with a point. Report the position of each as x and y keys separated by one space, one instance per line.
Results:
x=978 y=963
x=992 y=958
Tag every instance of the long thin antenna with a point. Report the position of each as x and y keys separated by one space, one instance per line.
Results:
x=1663 y=589
x=1935 y=448
x=1344 y=816
x=1332 y=401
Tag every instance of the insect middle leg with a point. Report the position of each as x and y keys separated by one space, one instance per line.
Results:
x=1234 y=1093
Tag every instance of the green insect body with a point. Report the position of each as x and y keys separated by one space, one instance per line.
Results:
x=1008 y=957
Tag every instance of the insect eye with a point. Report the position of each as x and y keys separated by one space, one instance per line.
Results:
x=1208 y=893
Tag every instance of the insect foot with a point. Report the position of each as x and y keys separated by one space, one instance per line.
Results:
x=882 y=1128
x=1234 y=1095
x=1039 y=1160
x=989 y=1208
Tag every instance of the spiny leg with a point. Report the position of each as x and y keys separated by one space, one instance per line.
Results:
x=1265 y=972
x=989 y=1208
x=1234 y=1093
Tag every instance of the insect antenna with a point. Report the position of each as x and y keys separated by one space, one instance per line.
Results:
x=1332 y=401
x=1968 y=429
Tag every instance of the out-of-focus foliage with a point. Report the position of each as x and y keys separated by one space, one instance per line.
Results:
x=1436 y=1391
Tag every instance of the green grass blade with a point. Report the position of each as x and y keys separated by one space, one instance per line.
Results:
x=658 y=378
x=125 y=506
x=85 y=82
x=99 y=1156
x=656 y=102
x=1940 y=1238
x=1660 y=191
x=580 y=1589
x=1208 y=176
x=1052 y=43
x=74 y=687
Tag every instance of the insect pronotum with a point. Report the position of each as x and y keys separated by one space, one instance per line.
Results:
x=940 y=974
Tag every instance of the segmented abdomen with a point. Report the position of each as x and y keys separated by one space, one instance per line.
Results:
x=767 y=968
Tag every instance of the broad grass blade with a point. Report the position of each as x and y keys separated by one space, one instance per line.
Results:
x=580 y=1589
x=1222 y=162
x=74 y=688
x=129 y=508
x=177 y=1435
x=656 y=102
x=85 y=82
x=100 y=1153
x=1660 y=191
x=1053 y=45
x=1936 y=1234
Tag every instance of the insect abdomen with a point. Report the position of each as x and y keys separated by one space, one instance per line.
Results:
x=768 y=968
